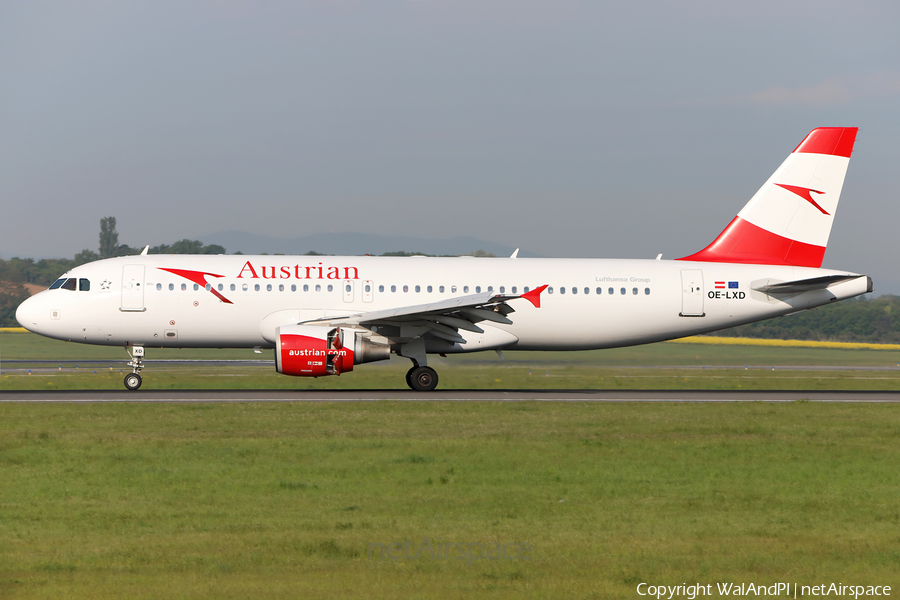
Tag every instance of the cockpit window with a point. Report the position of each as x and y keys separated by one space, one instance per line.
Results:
x=84 y=285
x=58 y=283
x=69 y=284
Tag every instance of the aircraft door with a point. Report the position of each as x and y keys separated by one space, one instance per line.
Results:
x=367 y=290
x=692 y=293
x=348 y=290
x=133 y=288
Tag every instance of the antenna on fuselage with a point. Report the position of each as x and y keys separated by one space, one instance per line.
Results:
x=145 y=250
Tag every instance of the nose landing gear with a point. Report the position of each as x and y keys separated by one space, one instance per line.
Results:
x=133 y=380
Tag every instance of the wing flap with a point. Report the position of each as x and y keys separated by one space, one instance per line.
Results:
x=442 y=319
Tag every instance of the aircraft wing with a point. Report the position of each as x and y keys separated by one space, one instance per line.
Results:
x=442 y=319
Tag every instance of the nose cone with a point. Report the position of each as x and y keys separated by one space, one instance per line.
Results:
x=27 y=314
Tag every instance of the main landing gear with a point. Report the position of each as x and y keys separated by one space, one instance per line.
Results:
x=422 y=379
x=133 y=380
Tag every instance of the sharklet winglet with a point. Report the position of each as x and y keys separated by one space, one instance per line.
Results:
x=534 y=296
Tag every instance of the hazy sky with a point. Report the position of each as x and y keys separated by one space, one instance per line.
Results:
x=601 y=129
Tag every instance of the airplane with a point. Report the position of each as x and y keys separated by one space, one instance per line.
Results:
x=323 y=315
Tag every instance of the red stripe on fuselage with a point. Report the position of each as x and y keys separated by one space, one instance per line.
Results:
x=744 y=242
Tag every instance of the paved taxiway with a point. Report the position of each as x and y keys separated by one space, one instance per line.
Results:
x=89 y=396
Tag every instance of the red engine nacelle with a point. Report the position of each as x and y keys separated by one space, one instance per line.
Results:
x=316 y=350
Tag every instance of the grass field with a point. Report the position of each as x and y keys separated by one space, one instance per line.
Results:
x=657 y=366
x=286 y=500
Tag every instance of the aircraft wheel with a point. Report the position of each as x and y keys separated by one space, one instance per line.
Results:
x=409 y=377
x=133 y=381
x=423 y=379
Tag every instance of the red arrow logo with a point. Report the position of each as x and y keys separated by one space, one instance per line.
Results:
x=803 y=193
x=199 y=277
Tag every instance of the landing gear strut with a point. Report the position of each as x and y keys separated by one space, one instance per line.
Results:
x=422 y=379
x=133 y=380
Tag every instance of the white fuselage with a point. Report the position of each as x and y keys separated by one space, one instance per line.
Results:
x=591 y=303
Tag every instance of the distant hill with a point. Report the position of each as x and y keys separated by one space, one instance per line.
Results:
x=352 y=244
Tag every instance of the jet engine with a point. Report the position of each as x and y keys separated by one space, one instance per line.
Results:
x=317 y=350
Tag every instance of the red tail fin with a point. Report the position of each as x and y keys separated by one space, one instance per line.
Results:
x=783 y=224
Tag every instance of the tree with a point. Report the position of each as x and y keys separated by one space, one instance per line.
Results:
x=11 y=296
x=187 y=247
x=109 y=237
x=86 y=256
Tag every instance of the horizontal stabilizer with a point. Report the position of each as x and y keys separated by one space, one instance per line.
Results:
x=801 y=285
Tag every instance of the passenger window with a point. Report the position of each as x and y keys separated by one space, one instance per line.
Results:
x=622 y=291
x=293 y=287
x=393 y=288
x=562 y=290
x=634 y=291
x=465 y=289
x=428 y=289
x=418 y=289
x=171 y=286
x=514 y=290
x=256 y=288
x=269 y=287
x=405 y=288
x=490 y=288
x=477 y=289
x=347 y=288
x=57 y=283
x=368 y=288
x=84 y=285
x=599 y=291
x=441 y=289
x=525 y=289
x=158 y=287
x=207 y=287
x=330 y=288
x=611 y=291
x=587 y=291
x=574 y=290
x=452 y=289
x=502 y=289
x=318 y=288
x=196 y=287
x=380 y=288
x=280 y=287
x=646 y=291
x=221 y=287
x=550 y=290
x=244 y=287
x=305 y=287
